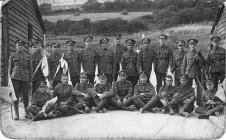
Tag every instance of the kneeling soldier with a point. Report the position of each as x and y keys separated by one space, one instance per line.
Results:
x=81 y=93
x=184 y=98
x=210 y=105
x=101 y=93
x=162 y=99
x=123 y=89
x=39 y=99
x=64 y=94
x=143 y=91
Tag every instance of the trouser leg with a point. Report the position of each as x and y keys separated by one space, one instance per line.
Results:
x=138 y=102
x=154 y=102
x=160 y=79
x=25 y=92
x=133 y=79
x=188 y=107
x=109 y=78
x=199 y=93
x=212 y=111
x=102 y=103
x=91 y=78
x=17 y=88
x=75 y=79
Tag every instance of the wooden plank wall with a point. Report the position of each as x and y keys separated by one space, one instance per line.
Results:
x=220 y=28
x=19 y=13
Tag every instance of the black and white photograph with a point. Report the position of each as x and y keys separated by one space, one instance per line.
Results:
x=112 y=69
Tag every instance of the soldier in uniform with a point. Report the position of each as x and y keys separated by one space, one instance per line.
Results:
x=184 y=97
x=211 y=104
x=178 y=61
x=193 y=64
x=64 y=94
x=20 y=70
x=146 y=57
x=130 y=62
x=163 y=59
x=143 y=92
x=101 y=93
x=81 y=93
x=123 y=89
x=38 y=100
x=215 y=63
x=106 y=60
x=89 y=59
x=54 y=58
x=74 y=62
x=163 y=98
x=36 y=58
x=118 y=49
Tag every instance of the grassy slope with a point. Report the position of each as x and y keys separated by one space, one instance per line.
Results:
x=97 y=16
x=199 y=31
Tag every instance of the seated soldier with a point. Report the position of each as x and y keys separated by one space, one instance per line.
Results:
x=38 y=100
x=123 y=89
x=210 y=104
x=163 y=98
x=81 y=93
x=64 y=94
x=101 y=93
x=184 y=98
x=143 y=91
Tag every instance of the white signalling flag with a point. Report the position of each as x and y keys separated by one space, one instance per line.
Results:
x=152 y=78
x=64 y=66
x=82 y=70
x=96 y=79
x=45 y=69
x=171 y=74
x=51 y=101
x=11 y=88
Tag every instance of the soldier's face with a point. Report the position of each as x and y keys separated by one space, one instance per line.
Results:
x=192 y=47
x=20 y=48
x=209 y=86
x=64 y=80
x=169 y=81
x=215 y=43
x=130 y=47
x=103 y=81
x=180 y=47
x=146 y=44
x=70 y=45
x=83 y=80
x=42 y=89
x=162 y=41
x=88 y=42
x=183 y=82
x=35 y=48
x=122 y=78
x=117 y=41
x=143 y=79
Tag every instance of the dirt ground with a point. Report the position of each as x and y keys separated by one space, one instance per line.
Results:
x=112 y=124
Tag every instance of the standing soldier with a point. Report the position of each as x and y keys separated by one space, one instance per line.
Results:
x=164 y=96
x=74 y=62
x=54 y=61
x=118 y=50
x=192 y=65
x=63 y=92
x=184 y=97
x=215 y=63
x=143 y=91
x=89 y=59
x=130 y=62
x=36 y=58
x=211 y=104
x=106 y=60
x=163 y=59
x=178 y=62
x=146 y=57
x=20 y=70
x=101 y=93
x=81 y=93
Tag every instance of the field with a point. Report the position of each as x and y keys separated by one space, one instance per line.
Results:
x=97 y=16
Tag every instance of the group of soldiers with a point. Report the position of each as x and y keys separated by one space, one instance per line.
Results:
x=124 y=78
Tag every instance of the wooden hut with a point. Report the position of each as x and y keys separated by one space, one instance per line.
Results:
x=219 y=26
x=20 y=19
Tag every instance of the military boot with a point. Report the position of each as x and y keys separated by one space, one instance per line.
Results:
x=27 y=115
x=16 y=109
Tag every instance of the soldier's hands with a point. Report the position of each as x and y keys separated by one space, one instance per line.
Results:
x=124 y=101
x=186 y=101
x=210 y=102
x=164 y=102
x=119 y=102
x=142 y=94
x=85 y=95
x=101 y=96
x=62 y=103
